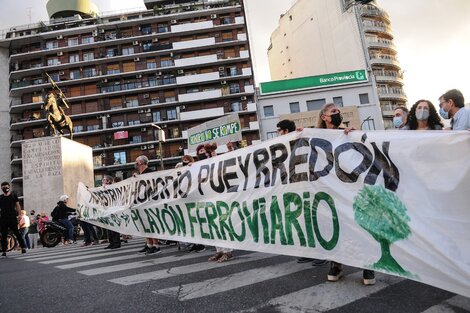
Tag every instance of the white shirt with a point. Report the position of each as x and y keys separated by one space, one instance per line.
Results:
x=461 y=119
x=25 y=220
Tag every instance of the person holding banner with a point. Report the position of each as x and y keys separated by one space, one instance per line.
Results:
x=400 y=118
x=113 y=236
x=330 y=118
x=423 y=116
x=142 y=166
x=452 y=105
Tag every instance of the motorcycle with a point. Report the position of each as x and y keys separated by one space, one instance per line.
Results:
x=53 y=232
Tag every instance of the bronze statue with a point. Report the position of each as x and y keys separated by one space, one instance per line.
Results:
x=56 y=118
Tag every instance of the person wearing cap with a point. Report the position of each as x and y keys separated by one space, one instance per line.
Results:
x=61 y=212
x=10 y=210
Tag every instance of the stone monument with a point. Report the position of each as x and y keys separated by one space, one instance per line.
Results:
x=53 y=166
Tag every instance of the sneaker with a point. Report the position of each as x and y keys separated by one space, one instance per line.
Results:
x=304 y=260
x=144 y=249
x=115 y=247
x=86 y=244
x=368 y=277
x=23 y=250
x=4 y=254
x=335 y=272
x=153 y=250
x=318 y=262
x=110 y=246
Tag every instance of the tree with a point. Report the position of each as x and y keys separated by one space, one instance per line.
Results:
x=381 y=213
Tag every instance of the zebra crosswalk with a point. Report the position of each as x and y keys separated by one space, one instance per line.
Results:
x=186 y=278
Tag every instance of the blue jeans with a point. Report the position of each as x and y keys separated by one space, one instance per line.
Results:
x=24 y=233
x=67 y=224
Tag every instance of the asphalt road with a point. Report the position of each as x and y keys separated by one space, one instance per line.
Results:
x=90 y=279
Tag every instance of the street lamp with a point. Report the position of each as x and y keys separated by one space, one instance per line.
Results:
x=161 y=138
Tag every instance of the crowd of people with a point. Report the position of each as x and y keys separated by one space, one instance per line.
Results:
x=422 y=116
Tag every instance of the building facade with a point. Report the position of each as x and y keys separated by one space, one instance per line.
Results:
x=173 y=66
x=342 y=36
x=300 y=99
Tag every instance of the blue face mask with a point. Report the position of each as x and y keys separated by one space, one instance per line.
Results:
x=397 y=121
x=444 y=114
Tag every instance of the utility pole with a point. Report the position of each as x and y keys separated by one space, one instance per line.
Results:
x=161 y=138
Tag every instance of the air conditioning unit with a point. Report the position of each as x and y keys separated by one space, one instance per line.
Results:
x=148 y=110
x=104 y=80
x=94 y=33
x=155 y=40
x=171 y=54
x=151 y=146
x=174 y=21
x=143 y=129
x=136 y=59
x=224 y=82
x=138 y=76
x=141 y=111
x=61 y=73
x=180 y=71
x=213 y=16
x=158 y=73
x=135 y=43
x=146 y=96
x=101 y=31
x=60 y=54
x=243 y=98
x=143 y=147
x=221 y=68
x=59 y=37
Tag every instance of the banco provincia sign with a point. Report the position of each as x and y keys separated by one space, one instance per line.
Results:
x=359 y=76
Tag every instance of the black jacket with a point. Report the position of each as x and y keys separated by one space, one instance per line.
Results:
x=61 y=211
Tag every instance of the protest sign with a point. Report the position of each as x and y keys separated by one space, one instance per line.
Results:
x=222 y=130
x=395 y=202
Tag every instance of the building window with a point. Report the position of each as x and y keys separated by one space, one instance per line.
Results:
x=162 y=28
x=77 y=128
x=155 y=101
x=113 y=69
x=117 y=124
x=294 y=107
x=156 y=116
x=52 y=44
x=53 y=61
x=170 y=99
x=132 y=103
x=88 y=56
x=128 y=50
x=268 y=111
x=147 y=46
x=151 y=64
x=73 y=42
x=110 y=52
x=166 y=63
x=364 y=98
x=317 y=104
x=236 y=107
x=132 y=123
x=89 y=72
x=171 y=114
x=74 y=74
x=146 y=29
x=270 y=135
x=93 y=127
x=120 y=157
x=73 y=58
x=88 y=39
x=136 y=139
x=232 y=71
x=234 y=88
x=338 y=101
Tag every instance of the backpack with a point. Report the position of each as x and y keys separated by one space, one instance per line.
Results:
x=55 y=213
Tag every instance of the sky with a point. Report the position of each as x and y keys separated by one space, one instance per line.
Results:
x=432 y=37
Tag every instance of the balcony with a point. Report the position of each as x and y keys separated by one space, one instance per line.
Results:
x=191 y=26
x=388 y=78
x=370 y=10
x=380 y=44
x=196 y=60
x=194 y=43
x=389 y=60
x=199 y=78
x=371 y=28
x=196 y=96
x=391 y=94
x=201 y=114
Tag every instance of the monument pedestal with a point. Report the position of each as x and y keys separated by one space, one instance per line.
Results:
x=53 y=166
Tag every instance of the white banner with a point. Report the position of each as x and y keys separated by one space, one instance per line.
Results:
x=395 y=202
x=221 y=130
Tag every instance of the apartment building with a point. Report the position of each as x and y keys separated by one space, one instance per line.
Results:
x=175 y=65
x=342 y=35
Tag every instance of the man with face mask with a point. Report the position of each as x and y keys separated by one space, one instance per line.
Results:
x=451 y=106
x=10 y=213
x=400 y=118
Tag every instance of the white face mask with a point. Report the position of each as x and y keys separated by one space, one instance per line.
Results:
x=397 y=121
x=422 y=115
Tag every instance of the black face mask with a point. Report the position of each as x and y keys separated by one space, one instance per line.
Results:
x=336 y=119
x=202 y=156
x=5 y=189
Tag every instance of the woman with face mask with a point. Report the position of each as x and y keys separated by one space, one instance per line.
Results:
x=423 y=116
x=330 y=118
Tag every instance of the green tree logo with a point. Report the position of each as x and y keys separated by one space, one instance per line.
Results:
x=381 y=213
